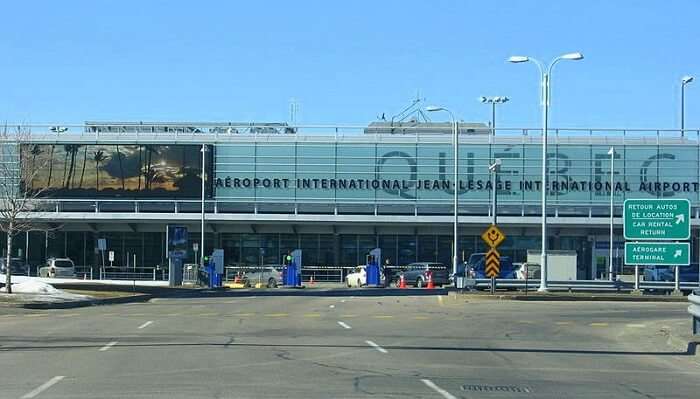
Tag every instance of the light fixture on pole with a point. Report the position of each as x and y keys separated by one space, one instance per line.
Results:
x=684 y=81
x=611 y=152
x=545 y=78
x=455 y=187
x=493 y=101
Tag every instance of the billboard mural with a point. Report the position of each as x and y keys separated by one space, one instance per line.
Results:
x=111 y=170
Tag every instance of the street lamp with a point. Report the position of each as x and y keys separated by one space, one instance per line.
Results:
x=455 y=144
x=545 y=77
x=684 y=81
x=201 y=252
x=494 y=168
x=611 y=152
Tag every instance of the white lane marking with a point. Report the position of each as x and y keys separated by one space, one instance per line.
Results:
x=344 y=325
x=43 y=387
x=342 y=301
x=437 y=389
x=146 y=324
x=331 y=306
x=375 y=346
x=109 y=345
x=636 y=325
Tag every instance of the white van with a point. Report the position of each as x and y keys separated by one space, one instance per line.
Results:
x=58 y=267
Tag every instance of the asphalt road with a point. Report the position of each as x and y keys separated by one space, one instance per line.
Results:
x=347 y=347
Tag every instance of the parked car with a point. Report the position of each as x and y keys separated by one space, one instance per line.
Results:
x=357 y=278
x=17 y=266
x=533 y=271
x=667 y=273
x=58 y=267
x=416 y=274
x=270 y=275
x=476 y=265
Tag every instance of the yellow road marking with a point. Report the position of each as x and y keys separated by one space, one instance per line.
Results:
x=277 y=315
x=420 y=318
x=636 y=325
x=312 y=315
x=382 y=316
x=243 y=314
x=563 y=323
x=598 y=324
x=348 y=315
x=108 y=314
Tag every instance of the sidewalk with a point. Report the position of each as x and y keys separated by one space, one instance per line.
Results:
x=563 y=296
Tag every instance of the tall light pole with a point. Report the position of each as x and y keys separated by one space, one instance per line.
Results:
x=611 y=152
x=684 y=81
x=455 y=145
x=545 y=75
x=492 y=139
x=201 y=244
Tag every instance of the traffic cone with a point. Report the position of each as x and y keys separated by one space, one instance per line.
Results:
x=430 y=285
x=402 y=282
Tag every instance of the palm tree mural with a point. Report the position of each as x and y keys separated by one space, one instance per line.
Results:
x=121 y=168
x=73 y=151
x=82 y=173
x=36 y=151
x=140 y=166
x=66 y=152
x=98 y=157
x=148 y=173
x=51 y=159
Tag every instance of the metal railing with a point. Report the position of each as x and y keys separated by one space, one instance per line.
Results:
x=585 y=285
x=204 y=132
x=134 y=273
x=694 y=310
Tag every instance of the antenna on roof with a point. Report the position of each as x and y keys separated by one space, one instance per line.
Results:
x=413 y=112
x=293 y=111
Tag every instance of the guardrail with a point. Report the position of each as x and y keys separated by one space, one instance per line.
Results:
x=133 y=273
x=584 y=285
x=694 y=310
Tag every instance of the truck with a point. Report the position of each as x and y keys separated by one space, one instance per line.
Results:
x=561 y=264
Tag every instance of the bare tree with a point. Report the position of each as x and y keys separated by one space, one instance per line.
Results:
x=19 y=167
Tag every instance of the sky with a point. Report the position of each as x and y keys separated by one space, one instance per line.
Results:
x=347 y=62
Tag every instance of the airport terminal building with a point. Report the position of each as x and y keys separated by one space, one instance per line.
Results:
x=337 y=192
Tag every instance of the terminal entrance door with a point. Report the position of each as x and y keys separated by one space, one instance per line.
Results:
x=601 y=258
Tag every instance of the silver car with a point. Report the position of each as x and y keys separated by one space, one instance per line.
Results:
x=58 y=267
x=269 y=275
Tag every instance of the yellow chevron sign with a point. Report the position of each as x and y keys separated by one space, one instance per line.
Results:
x=493 y=263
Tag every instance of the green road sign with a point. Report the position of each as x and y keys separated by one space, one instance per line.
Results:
x=657 y=253
x=657 y=219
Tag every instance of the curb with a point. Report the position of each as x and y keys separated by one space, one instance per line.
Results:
x=569 y=298
x=84 y=303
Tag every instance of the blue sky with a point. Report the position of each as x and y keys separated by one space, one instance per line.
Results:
x=348 y=62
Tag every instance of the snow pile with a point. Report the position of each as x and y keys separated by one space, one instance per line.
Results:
x=33 y=287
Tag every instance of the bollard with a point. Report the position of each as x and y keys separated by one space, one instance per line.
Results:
x=430 y=285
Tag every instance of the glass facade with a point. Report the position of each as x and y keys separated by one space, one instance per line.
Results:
x=421 y=172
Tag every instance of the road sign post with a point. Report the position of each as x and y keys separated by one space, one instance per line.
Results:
x=657 y=220
x=493 y=237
